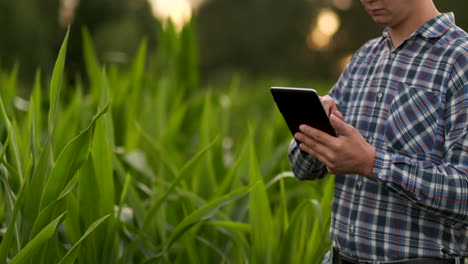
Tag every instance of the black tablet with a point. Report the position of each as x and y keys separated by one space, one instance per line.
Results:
x=301 y=106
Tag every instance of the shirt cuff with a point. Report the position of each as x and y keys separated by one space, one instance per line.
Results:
x=394 y=172
x=382 y=164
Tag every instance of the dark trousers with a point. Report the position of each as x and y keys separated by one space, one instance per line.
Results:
x=339 y=258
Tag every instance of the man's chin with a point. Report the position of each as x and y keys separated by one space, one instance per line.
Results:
x=381 y=21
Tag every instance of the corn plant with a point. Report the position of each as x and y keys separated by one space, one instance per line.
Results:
x=143 y=165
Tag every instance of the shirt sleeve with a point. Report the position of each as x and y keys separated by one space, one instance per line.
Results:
x=303 y=165
x=440 y=188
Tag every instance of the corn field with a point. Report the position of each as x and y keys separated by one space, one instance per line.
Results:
x=142 y=165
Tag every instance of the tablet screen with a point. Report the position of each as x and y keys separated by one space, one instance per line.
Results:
x=301 y=106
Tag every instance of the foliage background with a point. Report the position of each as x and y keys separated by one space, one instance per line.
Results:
x=126 y=141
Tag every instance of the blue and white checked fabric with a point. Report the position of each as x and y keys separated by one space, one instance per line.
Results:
x=411 y=103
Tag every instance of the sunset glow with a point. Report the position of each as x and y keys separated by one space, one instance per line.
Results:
x=322 y=32
x=178 y=11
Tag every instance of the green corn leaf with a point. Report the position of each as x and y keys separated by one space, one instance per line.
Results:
x=5 y=145
x=12 y=228
x=133 y=197
x=235 y=226
x=279 y=177
x=50 y=211
x=31 y=137
x=183 y=173
x=188 y=57
x=327 y=197
x=42 y=237
x=88 y=204
x=275 y=156
x=174 y=122
x=29 y=134
x=263 y=239
x=92 y=63
x=71 y=255
x=207 y=184
x=138 y=161
x=215 y=248
x=229 y=177
x=44 y=162
x=8 y=90
x=36 y=127
x=133 y=105
x=205 y=212
x=91 y=206
x=71 y=223
x=139 y=63
x=312 y=254
x=289 y=248
x=102 y=150
x=13 y=174
x=68 y=125
x=160 y=109
x=102 y=156
x=56 y=84
x=123 y=194
x=32 y=198
x=236 y=232
x=106 y=99
x=315 y=244
x=165 y=156
x=14 y=148
x=283 y=207
x=304 y=238
x=69 y=161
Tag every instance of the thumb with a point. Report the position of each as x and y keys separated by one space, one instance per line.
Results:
x=339 y=125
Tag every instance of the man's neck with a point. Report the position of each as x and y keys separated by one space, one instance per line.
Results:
x=401 y=31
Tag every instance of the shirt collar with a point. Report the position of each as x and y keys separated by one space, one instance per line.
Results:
x=433 y=28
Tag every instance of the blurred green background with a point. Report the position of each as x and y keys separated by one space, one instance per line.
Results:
x=296 y=39
x=189 y=164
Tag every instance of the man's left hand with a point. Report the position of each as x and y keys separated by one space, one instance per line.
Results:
x=349 y=153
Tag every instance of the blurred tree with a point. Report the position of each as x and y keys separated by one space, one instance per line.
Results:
x=29 y=34
x=117 y=26
x=252 y=35
x=32 y=31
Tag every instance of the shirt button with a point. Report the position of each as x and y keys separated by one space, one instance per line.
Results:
x=359 y=185
x=392 y=55
x=379 y=96
x=351 y=229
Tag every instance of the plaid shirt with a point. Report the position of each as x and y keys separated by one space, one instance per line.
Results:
x=411 y=104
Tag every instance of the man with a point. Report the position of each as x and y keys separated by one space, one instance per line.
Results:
x=400 y=109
